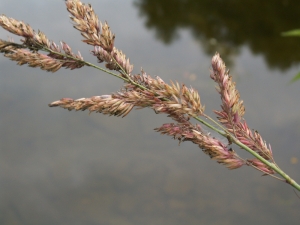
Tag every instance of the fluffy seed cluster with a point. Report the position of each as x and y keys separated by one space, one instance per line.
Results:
x=105 y=104
x=27 y=53
x=16 y=27
x=86 y=21
x=99 y=35
x=174 y=99
x=185 y=100
x=115 y=60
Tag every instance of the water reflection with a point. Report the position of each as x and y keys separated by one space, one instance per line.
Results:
x=225 y=26
x=60 y=167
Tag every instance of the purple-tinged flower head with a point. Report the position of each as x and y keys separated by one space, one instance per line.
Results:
x=233 y=110
x=115 y=60
x=181 y=132
x=218 y=150
x=50 y=62
x=144 y=79
x=86 y=21
x=209 y=145
x=32 y=39
x=34 y=59
x=232 y=106
x=102 y=55
x=260 y=166
x=121 y=59
x=34 y=42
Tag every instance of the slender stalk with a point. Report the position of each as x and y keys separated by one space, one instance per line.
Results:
x=221 y=131
x=234 y=140
x=85 y=63
x=272 y=165
x=237 y=142
x=256 y=155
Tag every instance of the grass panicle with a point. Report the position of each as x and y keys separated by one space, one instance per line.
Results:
x=179 y=102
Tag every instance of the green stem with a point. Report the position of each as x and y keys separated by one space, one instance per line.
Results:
x=46 y=49
x=84 y=62
x=266 y=162
x=255 y=154
x=225 y=134
x=221 y=132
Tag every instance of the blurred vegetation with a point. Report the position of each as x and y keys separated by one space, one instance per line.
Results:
x=295 y=33
x=227 y=25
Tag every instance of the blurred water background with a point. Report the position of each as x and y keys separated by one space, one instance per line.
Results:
x=60 y=167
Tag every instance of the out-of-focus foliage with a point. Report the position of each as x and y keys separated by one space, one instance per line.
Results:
x=295 y=78
x=295 y=33
x=227 y=25
x=291 y=33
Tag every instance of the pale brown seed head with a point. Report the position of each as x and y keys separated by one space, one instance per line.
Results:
x=16 y=27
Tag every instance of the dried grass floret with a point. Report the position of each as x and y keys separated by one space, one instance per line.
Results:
x=34 y=42
x=86 y=21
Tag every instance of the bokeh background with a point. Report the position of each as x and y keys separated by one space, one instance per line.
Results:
x=60 y=167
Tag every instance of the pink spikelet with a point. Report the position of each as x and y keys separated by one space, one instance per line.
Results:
x=233 y=110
